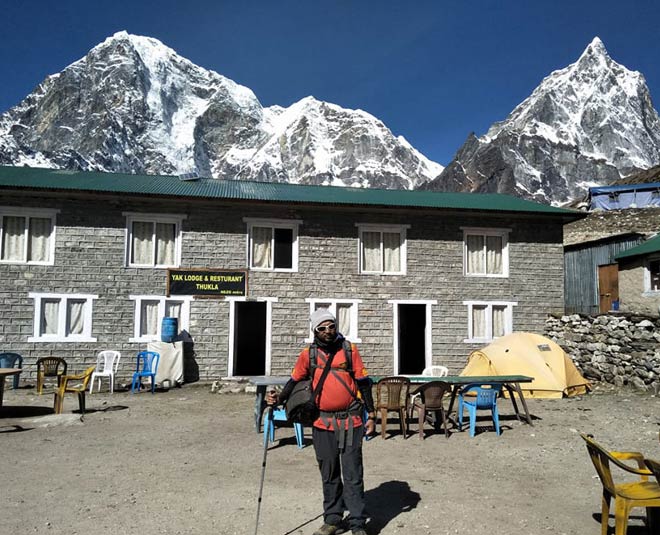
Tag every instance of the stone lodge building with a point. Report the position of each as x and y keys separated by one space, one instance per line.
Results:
x=414 y=277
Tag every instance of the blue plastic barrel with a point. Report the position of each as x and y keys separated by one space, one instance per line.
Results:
x=169 y=329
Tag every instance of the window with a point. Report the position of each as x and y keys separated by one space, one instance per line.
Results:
x=154 y=240
x=382 y=249
x=489 y=320
x=27 y=236
x=486 y=252
x=62 y=317
x=272 y=244
x=653 y=275
x=150 y=311
x=346 y=312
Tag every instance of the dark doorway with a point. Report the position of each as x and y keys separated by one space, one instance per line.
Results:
x=412 y=339
x=250 y=338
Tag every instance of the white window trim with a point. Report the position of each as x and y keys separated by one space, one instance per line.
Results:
x=488 y=231
x=176 y=219
x=49 y=213
x=86 y=336
x=333 y=309
x=184 y=320
x=648 y=292
x=428 y=334
x=292 y=224
x=232 y=328
x=371 y=227
x=508 y=318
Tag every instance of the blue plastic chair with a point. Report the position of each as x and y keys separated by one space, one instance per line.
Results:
x=279 y=415
x=9 y=360
x=486 y=399
x=147 y=366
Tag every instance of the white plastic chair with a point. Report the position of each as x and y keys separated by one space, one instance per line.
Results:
x=107 y=363
x=436 y=371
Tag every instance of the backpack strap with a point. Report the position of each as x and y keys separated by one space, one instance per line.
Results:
x=348 y=351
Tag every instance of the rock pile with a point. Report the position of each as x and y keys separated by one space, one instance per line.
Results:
x=618 y=349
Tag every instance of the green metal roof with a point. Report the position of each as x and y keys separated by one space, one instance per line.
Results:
x=649 y=246
x=208 y=188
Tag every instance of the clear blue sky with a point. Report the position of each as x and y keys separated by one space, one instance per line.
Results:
x=431 y=70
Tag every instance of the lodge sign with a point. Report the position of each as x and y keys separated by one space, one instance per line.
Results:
x=206 y=282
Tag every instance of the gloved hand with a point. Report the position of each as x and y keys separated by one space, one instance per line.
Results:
x=272 y=398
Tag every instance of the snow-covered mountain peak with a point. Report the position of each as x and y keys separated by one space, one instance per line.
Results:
x=132 y=104
x=591 y=121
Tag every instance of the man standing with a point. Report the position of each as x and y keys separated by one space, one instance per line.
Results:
x=337 y=433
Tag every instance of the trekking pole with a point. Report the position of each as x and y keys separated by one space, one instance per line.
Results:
x=268 y=422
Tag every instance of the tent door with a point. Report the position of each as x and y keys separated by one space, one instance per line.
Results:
x=412 y=338
x=608 y=287
x=250 y=338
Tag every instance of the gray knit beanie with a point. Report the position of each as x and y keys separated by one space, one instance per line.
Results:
x=319 y=316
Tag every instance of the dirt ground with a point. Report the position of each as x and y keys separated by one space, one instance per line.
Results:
x=188 y=461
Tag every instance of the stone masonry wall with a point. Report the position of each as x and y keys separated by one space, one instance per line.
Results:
x=89 y=259
x=620 y=349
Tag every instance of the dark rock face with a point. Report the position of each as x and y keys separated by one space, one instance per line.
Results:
x=587 y=124
x=133 y=105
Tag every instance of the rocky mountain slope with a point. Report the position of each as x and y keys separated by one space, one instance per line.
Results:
x=134 y=105
x=584 y=125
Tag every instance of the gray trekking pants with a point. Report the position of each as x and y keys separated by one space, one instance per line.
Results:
x=335 y=462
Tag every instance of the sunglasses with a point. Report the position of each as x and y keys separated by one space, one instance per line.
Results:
x=323 y=328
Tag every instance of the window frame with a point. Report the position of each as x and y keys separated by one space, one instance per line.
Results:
x=288 y=224
x=389 y=229
x=354 y=318
x=28 y=213
x=153 y=218
x=184 y=320
x=61 y=336
x=647 y=274
x=485 y=232
x=508 y=319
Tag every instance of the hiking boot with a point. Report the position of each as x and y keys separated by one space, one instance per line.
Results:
x=329 y=529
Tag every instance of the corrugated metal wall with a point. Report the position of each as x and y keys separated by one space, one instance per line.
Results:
x=581 y=272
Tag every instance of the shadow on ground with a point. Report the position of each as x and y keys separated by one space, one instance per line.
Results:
x=387 y=501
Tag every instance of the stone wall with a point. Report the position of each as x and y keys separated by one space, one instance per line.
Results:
x=620 y=349
x=90 y=246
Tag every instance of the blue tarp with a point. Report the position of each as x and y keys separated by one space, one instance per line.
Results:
x=625 y=196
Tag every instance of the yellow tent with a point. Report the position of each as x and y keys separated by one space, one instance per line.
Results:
x=521 y=353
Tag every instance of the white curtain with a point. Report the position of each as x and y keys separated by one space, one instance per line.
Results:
x=165 y=243
x=75 y=316
x=478 y=322
x=39 y=235
x=494 y=255
x=261 y=247
x=142 y=252
x=173 y=310
x=149 y=318
x=392 y=251
x=371 y=251
x=476 y=262
x=13 y=238
x=50 y=312
x=344 y=319
x=499 y=321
